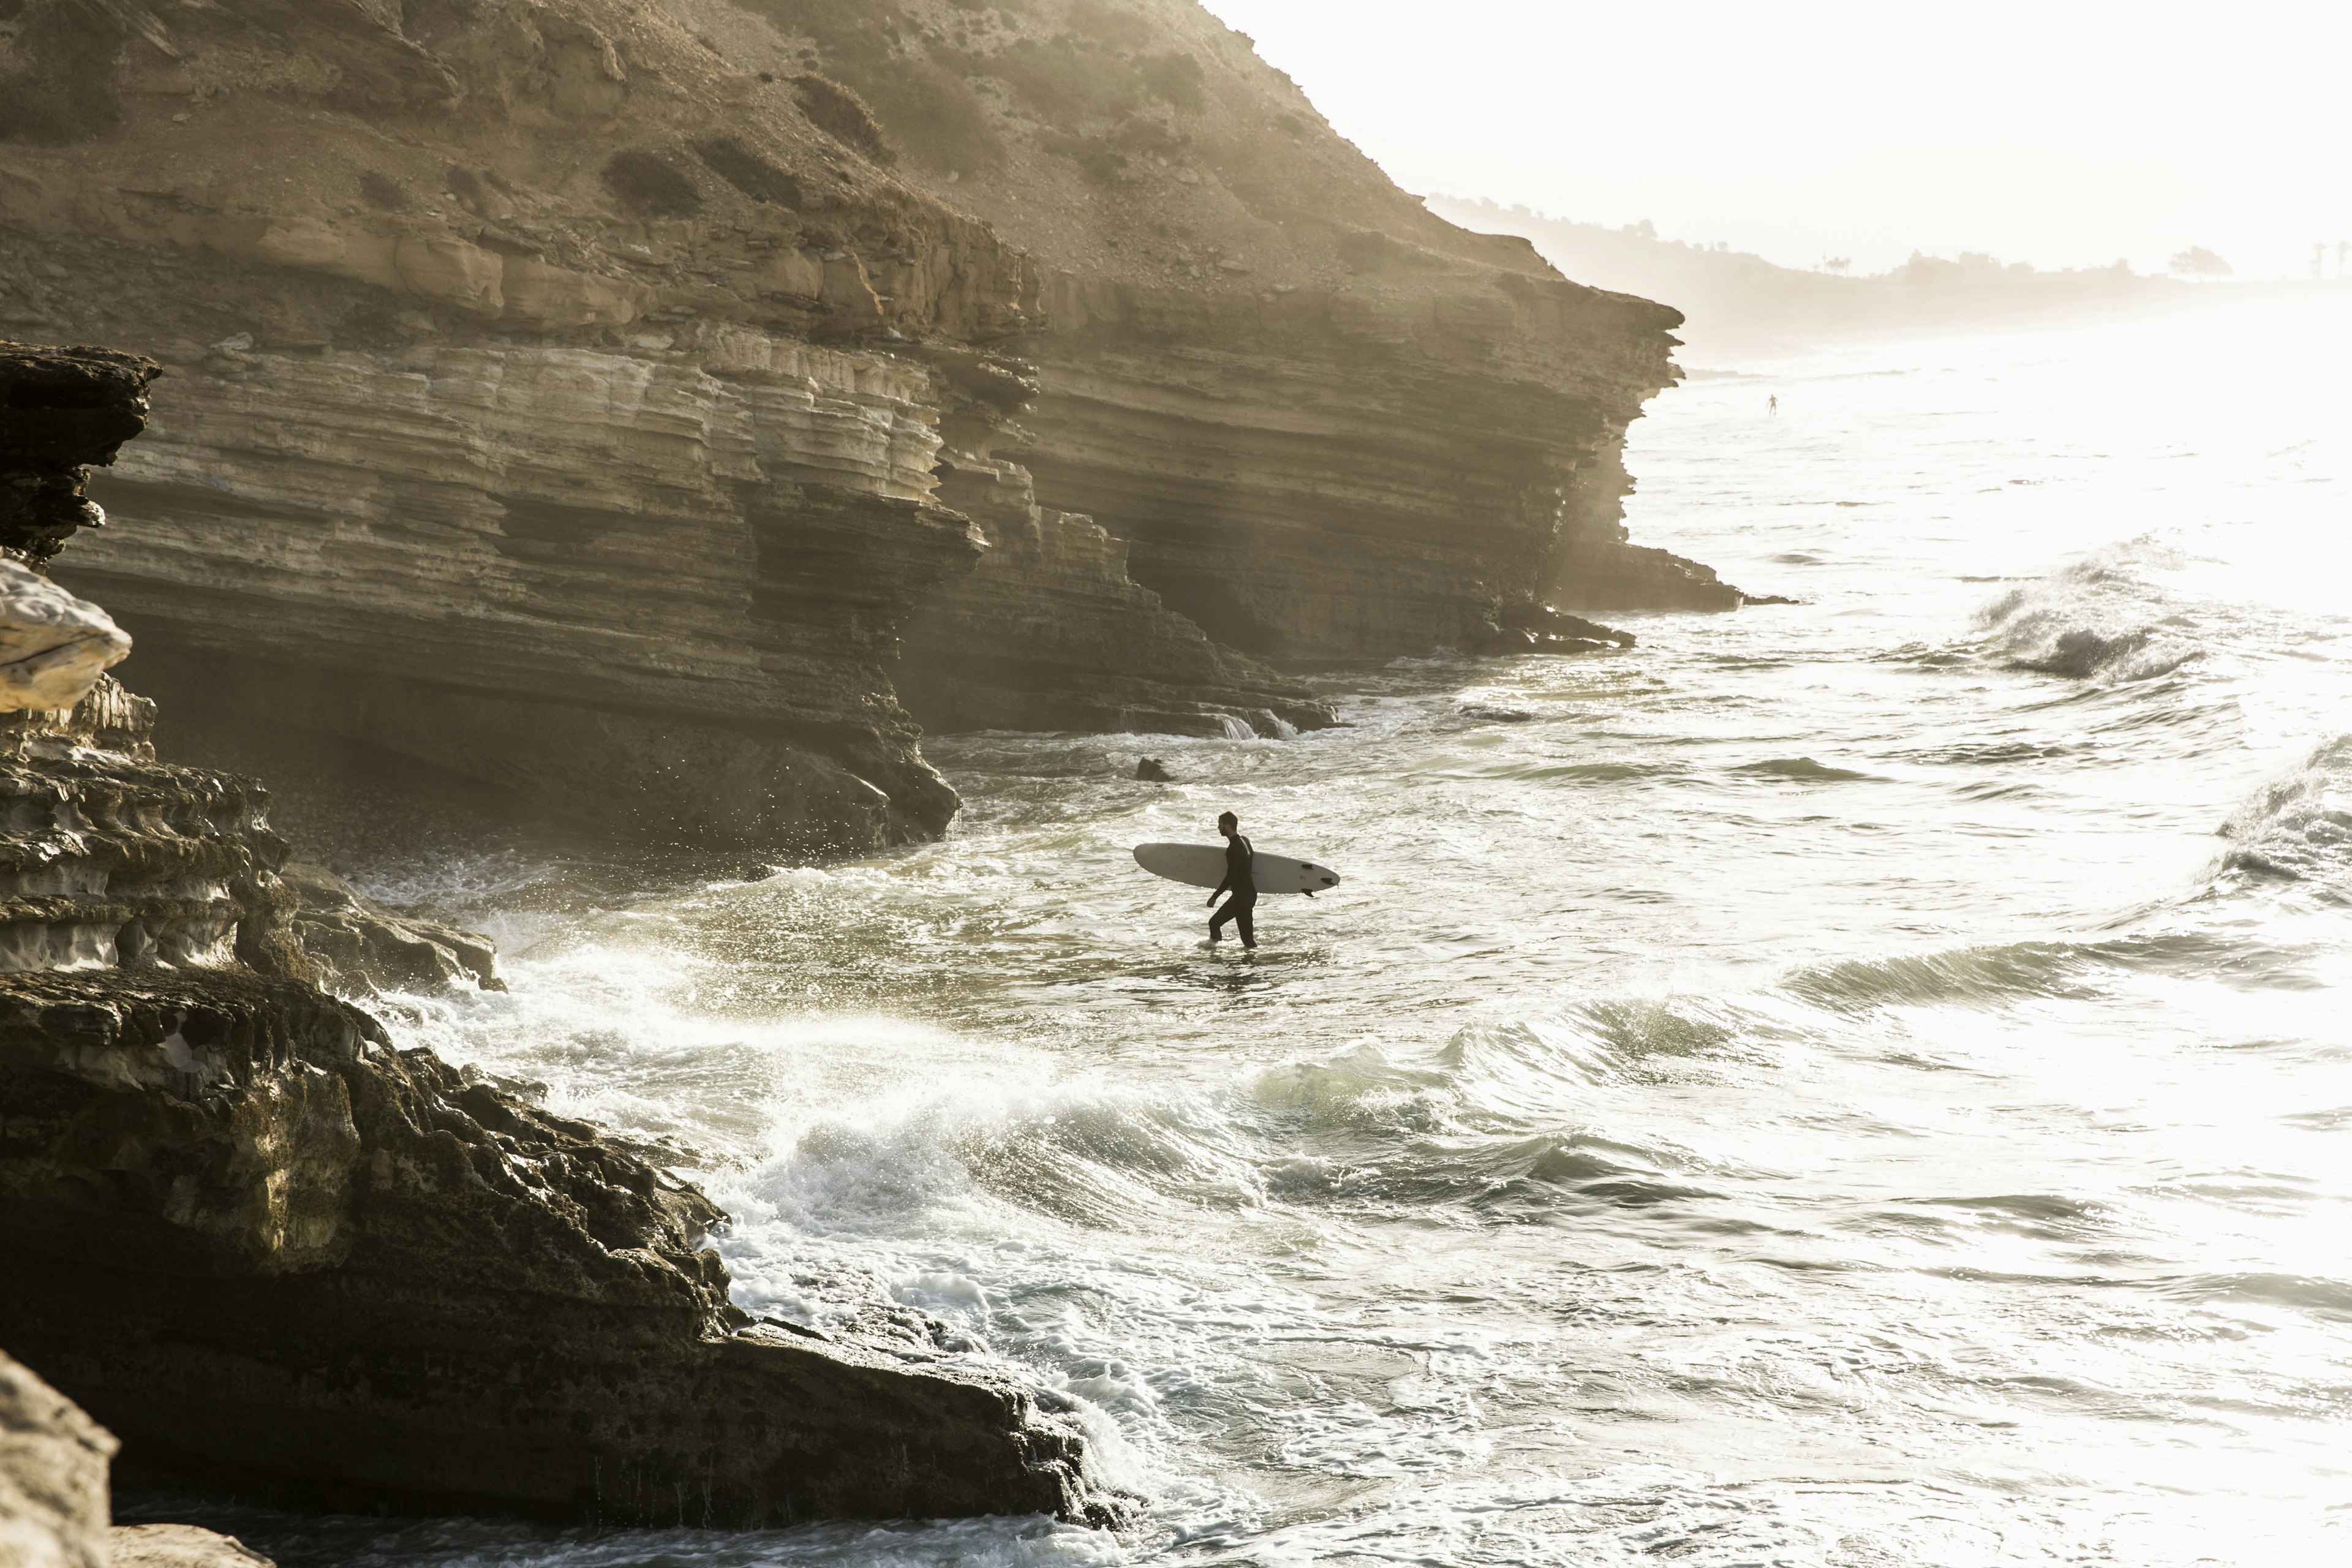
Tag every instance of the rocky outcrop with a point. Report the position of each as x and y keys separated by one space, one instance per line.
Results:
x=266 y=1246
x=259 y=1242
x=360 y=947
x=53 y=1460
x=52 y=646
x=53 y=1493
x=111 y=858
x=1049 y=632
x=62 y=413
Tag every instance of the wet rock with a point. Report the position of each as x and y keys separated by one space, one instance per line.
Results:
x=359 y=946
x=178 y=1546
x=265 y=1247
x=1540 y=628
x=1152 y=770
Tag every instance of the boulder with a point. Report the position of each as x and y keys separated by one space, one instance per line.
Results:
x=52 y=646
x=53 y=1459
x=359 y=946
x=269 y=1249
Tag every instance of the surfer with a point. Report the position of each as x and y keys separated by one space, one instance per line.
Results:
x=1238 y=882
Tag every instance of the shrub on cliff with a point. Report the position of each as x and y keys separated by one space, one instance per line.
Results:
x=749 y=173
x=836 y=110
x=651 y=186
x=935 y=116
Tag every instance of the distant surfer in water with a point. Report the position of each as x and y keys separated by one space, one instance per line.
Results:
x=1239 y=881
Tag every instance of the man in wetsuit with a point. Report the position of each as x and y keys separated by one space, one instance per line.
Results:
x=1238 y=882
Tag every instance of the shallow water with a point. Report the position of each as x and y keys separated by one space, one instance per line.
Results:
x=1860 y=1082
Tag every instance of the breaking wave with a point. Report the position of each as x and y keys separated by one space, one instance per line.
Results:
x=2299 y=828
x=2100 y=618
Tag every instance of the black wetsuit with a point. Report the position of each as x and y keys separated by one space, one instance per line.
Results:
x=1244 y=888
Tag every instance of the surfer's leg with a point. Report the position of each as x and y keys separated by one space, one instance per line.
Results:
x=1243 y=921
x=1217 y=922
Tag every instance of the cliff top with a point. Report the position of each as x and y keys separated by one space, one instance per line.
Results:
x=1137 y=141
x=592 y=170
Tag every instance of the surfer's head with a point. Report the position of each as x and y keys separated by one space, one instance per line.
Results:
x=1227 y=823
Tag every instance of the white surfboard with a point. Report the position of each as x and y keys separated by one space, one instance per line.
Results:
x=1203 y=865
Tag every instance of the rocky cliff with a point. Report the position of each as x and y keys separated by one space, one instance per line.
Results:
x=263 y=1244
x=1327 y=422
x=569 y=398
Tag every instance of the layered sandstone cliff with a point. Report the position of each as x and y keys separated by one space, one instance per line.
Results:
x=1326 y=422
x=579 y=399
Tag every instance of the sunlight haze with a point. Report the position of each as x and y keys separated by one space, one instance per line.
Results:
x=2064 y=135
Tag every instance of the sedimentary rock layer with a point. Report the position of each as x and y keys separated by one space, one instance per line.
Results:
x=658 y=592
x=252 y=1237
x=110 y=857
x=1327 y=423
x=1049 y=632
x=515 y=453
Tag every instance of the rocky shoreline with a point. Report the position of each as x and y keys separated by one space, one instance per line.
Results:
x=271 y=1251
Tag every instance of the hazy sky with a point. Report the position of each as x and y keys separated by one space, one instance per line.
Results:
x=2056 y=132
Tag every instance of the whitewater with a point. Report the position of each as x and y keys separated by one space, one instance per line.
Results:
x=1858 y=1082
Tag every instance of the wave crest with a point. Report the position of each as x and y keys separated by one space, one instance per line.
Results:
x=2299 y=828
x=2099 y=618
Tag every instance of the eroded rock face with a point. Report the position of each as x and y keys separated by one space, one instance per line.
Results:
x=1326 y=422
x=52 y=646
x=496 y=432
x=62 y=410
x=1049 y=632
x=657 y=593
x=255 y=1239
x=110 y=858
x=358 y=947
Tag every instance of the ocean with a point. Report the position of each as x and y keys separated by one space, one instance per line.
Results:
x=1861 y=1082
